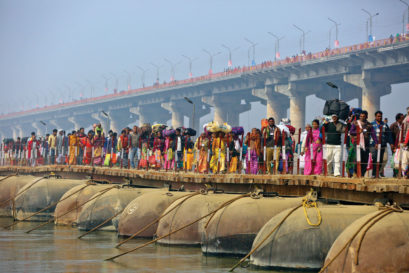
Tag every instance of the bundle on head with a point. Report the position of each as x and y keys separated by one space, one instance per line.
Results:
x=190 y=132
x=146 y=129
x=158 y=127
x=237 y=130
x=169 y=133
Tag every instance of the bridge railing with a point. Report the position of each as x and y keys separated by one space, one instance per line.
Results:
x=220 y=75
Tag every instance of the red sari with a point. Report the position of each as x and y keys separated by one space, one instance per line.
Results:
x=89 y=144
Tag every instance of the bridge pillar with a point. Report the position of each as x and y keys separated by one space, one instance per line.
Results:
x=150 y=114
x=101 y=119
x=15 y=132
x=61 y=124
x=227 y=108
x=277 y=104
x=119 y=119
x=20 y=131
x=177 y=111
x=297 y=94
x=39 y=128
x=372 y=90
x=74 y=120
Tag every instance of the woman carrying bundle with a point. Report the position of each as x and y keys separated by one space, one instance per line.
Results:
x=217 y=163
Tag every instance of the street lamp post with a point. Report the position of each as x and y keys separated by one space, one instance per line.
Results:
x=91 y=86
x=230 y=62
x=253 y=47
x=190 y=60
x=69 y=92
x=370 y=21
x=211 y=59
x=336 y=31
x=128 y=79
x=302 y=41
x=142 y=75
x=116 y=81
x=407 y=26
x=193 y=115
x=81 y=86
x=106 y=82
x=277 y=46
x=157 y=71
x=172 y=69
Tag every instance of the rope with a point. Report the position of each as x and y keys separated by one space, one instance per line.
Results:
x=103 y=223
x=28 y=187
x=265 y=238
x=368 y=227
x=306 y=203
x=211 y=217
x=380 y=214
x=183 y=227
x=157 y=220
x=8 y=176
x=76 y=207
x=52 y=205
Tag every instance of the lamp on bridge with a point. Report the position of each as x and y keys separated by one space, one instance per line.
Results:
x=190 y=64
x=370 y=35
x=336 y=43
x=193 y=115
x=230 y=62
x=277 y=46
x=172 y=69
x=253 y=47
x=407 y=25
x=302 y=40
x=142 y=75
x=211 y=60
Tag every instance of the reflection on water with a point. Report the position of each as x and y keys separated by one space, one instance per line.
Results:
x=57 y=249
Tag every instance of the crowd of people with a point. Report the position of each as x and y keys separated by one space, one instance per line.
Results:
x=328 y=146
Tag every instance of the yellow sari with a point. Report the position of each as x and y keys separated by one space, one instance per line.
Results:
x=73 y=150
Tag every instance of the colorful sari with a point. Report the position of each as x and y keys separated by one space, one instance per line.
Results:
x=313 y=161
x=217 y=162
x=202 y=147
x=88 y=151
x=73 y=150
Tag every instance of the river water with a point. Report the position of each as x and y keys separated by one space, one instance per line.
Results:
x=57 y=249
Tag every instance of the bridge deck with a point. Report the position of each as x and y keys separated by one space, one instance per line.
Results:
x=361 y=190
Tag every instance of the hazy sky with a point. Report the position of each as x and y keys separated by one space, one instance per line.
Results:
x=49 y=47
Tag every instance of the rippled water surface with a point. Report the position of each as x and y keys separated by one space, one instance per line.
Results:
x=57 y=249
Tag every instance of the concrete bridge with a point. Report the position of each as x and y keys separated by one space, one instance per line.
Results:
x=365 y=71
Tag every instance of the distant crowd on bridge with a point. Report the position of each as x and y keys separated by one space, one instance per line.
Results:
x=304 y=56
x=354 y=147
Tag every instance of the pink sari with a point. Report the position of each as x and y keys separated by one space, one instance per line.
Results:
x=314 y=162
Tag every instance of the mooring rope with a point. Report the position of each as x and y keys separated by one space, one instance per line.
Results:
x=50 y=206
x=76 y=207
x=103 y=223
x=157 y=219
x=381 y=214
x=183 y=227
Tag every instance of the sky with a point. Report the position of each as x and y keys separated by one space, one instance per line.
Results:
x=55 y=50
